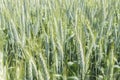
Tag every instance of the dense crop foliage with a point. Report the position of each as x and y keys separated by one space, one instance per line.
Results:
x=60 y=39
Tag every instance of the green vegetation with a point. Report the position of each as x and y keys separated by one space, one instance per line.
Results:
x=60 y=39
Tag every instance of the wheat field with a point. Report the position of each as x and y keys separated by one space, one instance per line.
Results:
x=59 y=39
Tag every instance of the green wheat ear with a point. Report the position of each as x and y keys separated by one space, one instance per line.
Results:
x=60 y=39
